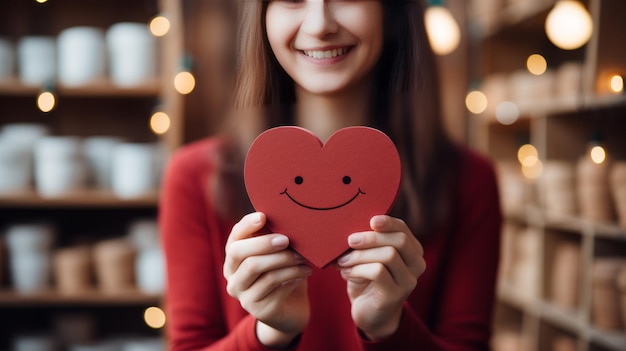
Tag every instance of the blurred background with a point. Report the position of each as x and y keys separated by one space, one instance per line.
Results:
x=95 y=95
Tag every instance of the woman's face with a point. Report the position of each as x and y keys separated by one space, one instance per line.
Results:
x=326 y=46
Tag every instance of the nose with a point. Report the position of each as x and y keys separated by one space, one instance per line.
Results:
x=319 y=20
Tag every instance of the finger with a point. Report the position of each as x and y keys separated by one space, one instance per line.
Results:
x=239 y=250
x=370 y=272
x=254 y=266
x=273 y=280
x=386 y=255
x=246 y=227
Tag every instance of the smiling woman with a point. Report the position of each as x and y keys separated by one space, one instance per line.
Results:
x=245 y=280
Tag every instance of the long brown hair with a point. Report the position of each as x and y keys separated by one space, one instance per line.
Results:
x=406 y=107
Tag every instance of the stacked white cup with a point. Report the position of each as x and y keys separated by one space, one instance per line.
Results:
x=16 y=155
x=59 y=166
x=82 y=55
x=29 y=252
x=7 y=59
x=37 y=59
x=149 y=264
x=98 y=152
x=132 y=52
x=134 y=170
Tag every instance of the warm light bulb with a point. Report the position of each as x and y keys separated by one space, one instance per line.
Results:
x=46 y=101
x=617 y=84
x=159 y=26
x=536 y=64
x=598 y=155
x=184 y=82
x=534 y=171
x=154 y=317
x=476 y=102
x=443 y=31
x=569 y=25
x=160 y=122
x=507 y=112
x=527 y=155
x=41 y=1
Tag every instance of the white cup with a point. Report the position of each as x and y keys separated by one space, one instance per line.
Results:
x=25 y=134
x=133 y=170
x=15 y=169
x=132 y=53
x=98 y=152
x=144 y=233
x=34 y=343
x=150 y=271
x=82 y=55
x=7 y=59
x=37 y=59
x=59 y=167
x=29 y=238
x=30 y=271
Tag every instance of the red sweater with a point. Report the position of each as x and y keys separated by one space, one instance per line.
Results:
x=450 y=309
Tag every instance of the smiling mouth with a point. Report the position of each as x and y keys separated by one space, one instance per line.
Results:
x=359 y=192
x=326 y=54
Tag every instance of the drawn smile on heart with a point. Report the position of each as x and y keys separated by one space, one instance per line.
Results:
x=298 y=180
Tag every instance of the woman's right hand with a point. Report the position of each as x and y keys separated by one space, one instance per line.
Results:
x=268 y=279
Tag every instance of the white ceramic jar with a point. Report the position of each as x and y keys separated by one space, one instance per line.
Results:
x=82 y=55
x=150 y=271
x=59 y=166
x=29 y=256
x=98 y=152
x=15 y=170
x=133 y=170
x=37 y=59
x=7 y=59
x=132 y=53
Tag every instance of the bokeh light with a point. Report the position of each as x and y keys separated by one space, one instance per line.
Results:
x=443 y=31
x=160 y=122
x=536 y=64
x=597 y=154
x=184 y=82
x=476 y=102
x=507 y=112
x=527 y=155
x=159 y=26
x=154 y=317
x=569 y=25
x=617 y=84
x=46 y=101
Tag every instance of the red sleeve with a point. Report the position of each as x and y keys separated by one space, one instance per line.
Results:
x=467 y=294
x=198 y=317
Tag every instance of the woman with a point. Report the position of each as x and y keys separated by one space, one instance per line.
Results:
x=324 y=65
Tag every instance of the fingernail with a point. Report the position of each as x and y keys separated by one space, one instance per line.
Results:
x=255 y=218
x=377 y=221
x=344 y=259
x=346 y=271
x=355 y=239
x=280 y=241
x=298 y=257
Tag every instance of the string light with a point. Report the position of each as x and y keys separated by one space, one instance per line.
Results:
x=154 y=317
x=536 y=64
x=184 y=81
x=527 y=155
x=597 y=154
x=46 y=100
x=160 y=25
x=569 y=25
x=617 y=84
x=476 y=102
x=160 y=122
x=534 y=171
x=442 y=29
x=42 y=1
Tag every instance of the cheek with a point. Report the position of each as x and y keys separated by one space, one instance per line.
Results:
x=278 y=29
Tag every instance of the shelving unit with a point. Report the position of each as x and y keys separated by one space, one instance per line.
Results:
x=98 y=108
x=560 y=129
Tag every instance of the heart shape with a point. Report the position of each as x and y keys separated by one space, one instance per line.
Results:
x=318 y=194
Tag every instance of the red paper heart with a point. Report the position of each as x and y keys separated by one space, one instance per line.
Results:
x=318 y=194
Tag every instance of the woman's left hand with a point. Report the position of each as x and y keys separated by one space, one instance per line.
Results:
x=381 y=272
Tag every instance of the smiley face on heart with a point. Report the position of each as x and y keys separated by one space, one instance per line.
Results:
x=318 y=194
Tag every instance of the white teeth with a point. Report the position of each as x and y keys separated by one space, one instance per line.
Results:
x=326 y=54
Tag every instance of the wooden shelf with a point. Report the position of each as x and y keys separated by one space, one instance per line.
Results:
x=611 y=340
x=86 y=198
x=102 y=88
x=9 y=298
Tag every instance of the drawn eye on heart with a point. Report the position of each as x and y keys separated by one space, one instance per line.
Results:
x=299 y=180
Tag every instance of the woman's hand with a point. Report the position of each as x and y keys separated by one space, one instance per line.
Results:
x=268 y=279
x=381 y=272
